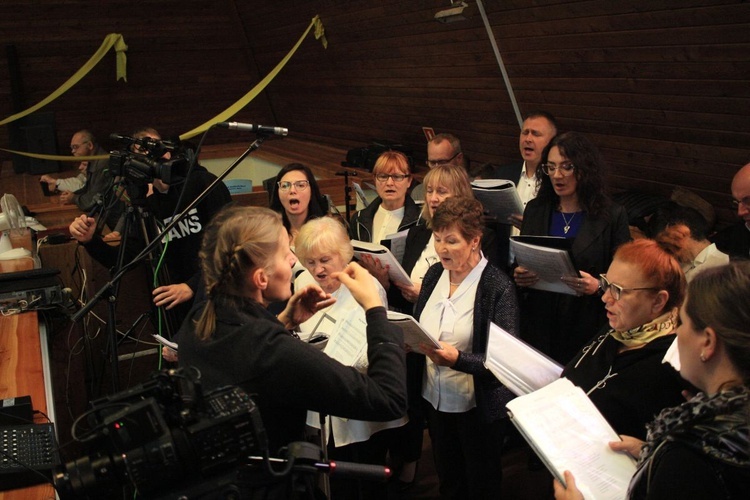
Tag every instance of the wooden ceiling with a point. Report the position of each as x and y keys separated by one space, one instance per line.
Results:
x=662 y=86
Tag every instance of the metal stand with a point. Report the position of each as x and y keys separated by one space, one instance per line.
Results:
x=347 y=191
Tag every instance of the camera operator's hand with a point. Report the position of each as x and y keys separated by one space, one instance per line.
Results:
x=360 y=284
x=51 y=182
x=169 y=354
x=66 y=197
x=303 y=304
x=82 y=228
x=171 y=295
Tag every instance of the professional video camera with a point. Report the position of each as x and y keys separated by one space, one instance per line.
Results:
x=162 y=436
x=148 y=163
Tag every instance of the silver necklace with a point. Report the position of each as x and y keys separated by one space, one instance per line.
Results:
x=566 y=228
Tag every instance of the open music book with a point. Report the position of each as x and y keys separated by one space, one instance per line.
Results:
x=499 y=198
x=413 y=331
x=520 y=367
x=395 y=272
x=566 y=430
x=548 y=261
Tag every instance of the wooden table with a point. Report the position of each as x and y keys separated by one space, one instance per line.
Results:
x=24 y=371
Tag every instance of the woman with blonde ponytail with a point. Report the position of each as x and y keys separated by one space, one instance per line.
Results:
x=232 y=339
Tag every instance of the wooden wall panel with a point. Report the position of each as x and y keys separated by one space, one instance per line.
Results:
x=662 y=86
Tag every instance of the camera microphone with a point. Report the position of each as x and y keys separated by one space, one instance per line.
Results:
x=121 y=138
x=258 y=129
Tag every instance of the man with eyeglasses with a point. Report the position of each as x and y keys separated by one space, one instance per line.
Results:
x=735 y=240
x=92 y=180
x=443 y=149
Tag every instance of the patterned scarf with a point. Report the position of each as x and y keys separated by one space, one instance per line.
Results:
x=716 y=426
x=644 y=334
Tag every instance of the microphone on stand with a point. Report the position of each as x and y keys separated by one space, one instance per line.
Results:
x=258 y=129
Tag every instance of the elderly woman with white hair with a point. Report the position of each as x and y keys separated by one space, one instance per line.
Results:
x=324 y=249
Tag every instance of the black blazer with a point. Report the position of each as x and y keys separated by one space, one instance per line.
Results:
x=559 y=324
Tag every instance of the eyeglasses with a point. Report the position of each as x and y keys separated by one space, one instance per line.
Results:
x=437 y=163
x=745 y=202
x=395 y=177
x=564 y=168
x=298 y=185
x=74 y=147
x=616 y=290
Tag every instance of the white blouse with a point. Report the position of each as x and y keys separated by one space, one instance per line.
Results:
x=386 y=222
x=345 y=431
x=451 y=320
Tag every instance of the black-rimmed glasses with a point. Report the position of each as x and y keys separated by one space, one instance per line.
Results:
x=298 y=185
x=437 y=163
x=564 y=168
x=616 y=290
x=395 y=177
x=745 y=202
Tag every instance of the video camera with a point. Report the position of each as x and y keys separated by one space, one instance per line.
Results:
x=161 y=436
x=148 y=162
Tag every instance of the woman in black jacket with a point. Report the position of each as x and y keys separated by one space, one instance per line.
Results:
x=572 y=203
x=701 y=449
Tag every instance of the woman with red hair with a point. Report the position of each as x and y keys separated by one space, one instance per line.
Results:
x=621 y=368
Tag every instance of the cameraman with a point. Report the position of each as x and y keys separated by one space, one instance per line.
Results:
x=184 y=240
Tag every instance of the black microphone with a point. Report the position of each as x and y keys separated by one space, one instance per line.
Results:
x=347 y=172
x=258 y=129
x=121 y=138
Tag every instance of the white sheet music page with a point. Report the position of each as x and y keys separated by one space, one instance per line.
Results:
x=520 y=367
x=566 y=430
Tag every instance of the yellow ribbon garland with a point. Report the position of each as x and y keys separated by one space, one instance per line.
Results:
x=223 y=116
x=245 y=100
x=113 y=39
x=56 y=157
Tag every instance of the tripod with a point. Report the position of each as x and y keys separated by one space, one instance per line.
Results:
x=138 y=226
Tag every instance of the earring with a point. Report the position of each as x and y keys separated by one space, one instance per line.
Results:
x=703 y=357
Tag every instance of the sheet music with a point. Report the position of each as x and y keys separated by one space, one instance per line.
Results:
x=396 y=273
x=414 y=334
x=566 y=430
x=164 y=341
x=397 y=244
x=548 y=263
x=499 y=198
x=348 y=342
x=520 y=367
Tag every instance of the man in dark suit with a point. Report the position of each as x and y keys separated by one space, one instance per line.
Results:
x=539 y=127
x=735 y=240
